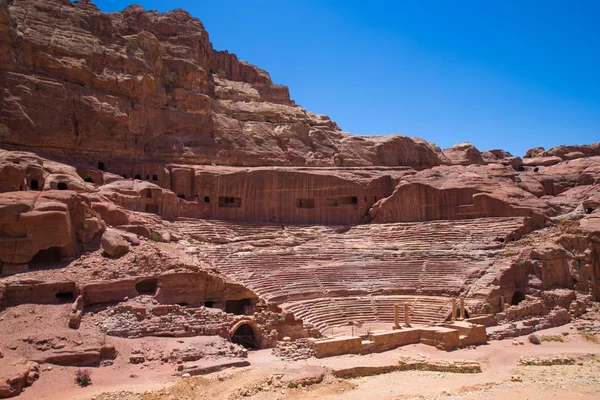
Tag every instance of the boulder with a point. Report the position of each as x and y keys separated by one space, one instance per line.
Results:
x=114 y=244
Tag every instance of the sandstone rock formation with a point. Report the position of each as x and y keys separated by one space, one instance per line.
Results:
x=176 y=191
x=162 y=93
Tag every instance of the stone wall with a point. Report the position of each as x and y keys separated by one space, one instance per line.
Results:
x=447 y=337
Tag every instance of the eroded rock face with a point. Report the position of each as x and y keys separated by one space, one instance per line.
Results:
x=47 y=224
x=149 y=86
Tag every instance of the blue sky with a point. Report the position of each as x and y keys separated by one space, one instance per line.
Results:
x=499 y=74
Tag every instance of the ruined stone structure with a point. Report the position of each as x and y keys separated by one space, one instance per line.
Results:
x=142 y=169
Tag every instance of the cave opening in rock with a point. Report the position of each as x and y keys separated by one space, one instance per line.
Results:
x=147 y=287
x=61 y=186
x=151 y=208
x=154 y=178
x=147 y=177
x=138 y=176
x=181 y=196
x=45 y=256
x=536 y=169
x=245 y=336
x=209 y=304
x=89 y=180
x=182 y=304
x=517 y=298
x=237 y=307
x=207 y=199
x=589 y=210
x=65 y=297
x=34 y=184
x=100 y=165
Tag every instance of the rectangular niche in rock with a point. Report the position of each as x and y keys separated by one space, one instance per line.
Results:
x=348 y=200
x=305 y=203
x=230 y=202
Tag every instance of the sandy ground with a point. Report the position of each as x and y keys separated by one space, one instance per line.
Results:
x=267 y=375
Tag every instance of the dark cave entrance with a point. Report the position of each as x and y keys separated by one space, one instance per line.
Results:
x=89 y=180
x=51 y=254
x=237 y=307
x=244 y=336
x=61 y=186
x=34 y=185
x=517 y=298
x=65 y=297
x=209 y=304
x=147 y=287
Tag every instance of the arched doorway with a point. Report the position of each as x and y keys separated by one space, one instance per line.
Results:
x=245 y=336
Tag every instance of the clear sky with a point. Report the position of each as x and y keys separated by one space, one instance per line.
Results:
x=511 y=74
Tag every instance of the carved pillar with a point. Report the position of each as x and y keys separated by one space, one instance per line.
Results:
x=453 y=310
x=462 y=308
x=406 y=318
x=502 y=302
x=396 y=316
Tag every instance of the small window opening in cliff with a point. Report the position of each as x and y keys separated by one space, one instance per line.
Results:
x=230 y=202
x=244 y=336
x=237 y=307
x=206 y=199
x=34 y=184
x=89 y=180
x=520 y=168
x=517 y=298
x=65 y=297
x=147 y=287
x=151 y=208
x=124 y=176
x=61 y=186
x=209 y=304
x=100 y=165
x=155 y=178
x=589 y=210
x=536 y=169
x=137 y=177
x=305 y=203
x=147 y=177
x=348 y=200
x=182 y=304
x=181 y=196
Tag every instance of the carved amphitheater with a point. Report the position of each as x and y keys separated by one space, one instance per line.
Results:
x=151 y=186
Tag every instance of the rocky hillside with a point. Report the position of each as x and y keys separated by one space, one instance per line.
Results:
x=150 y=86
